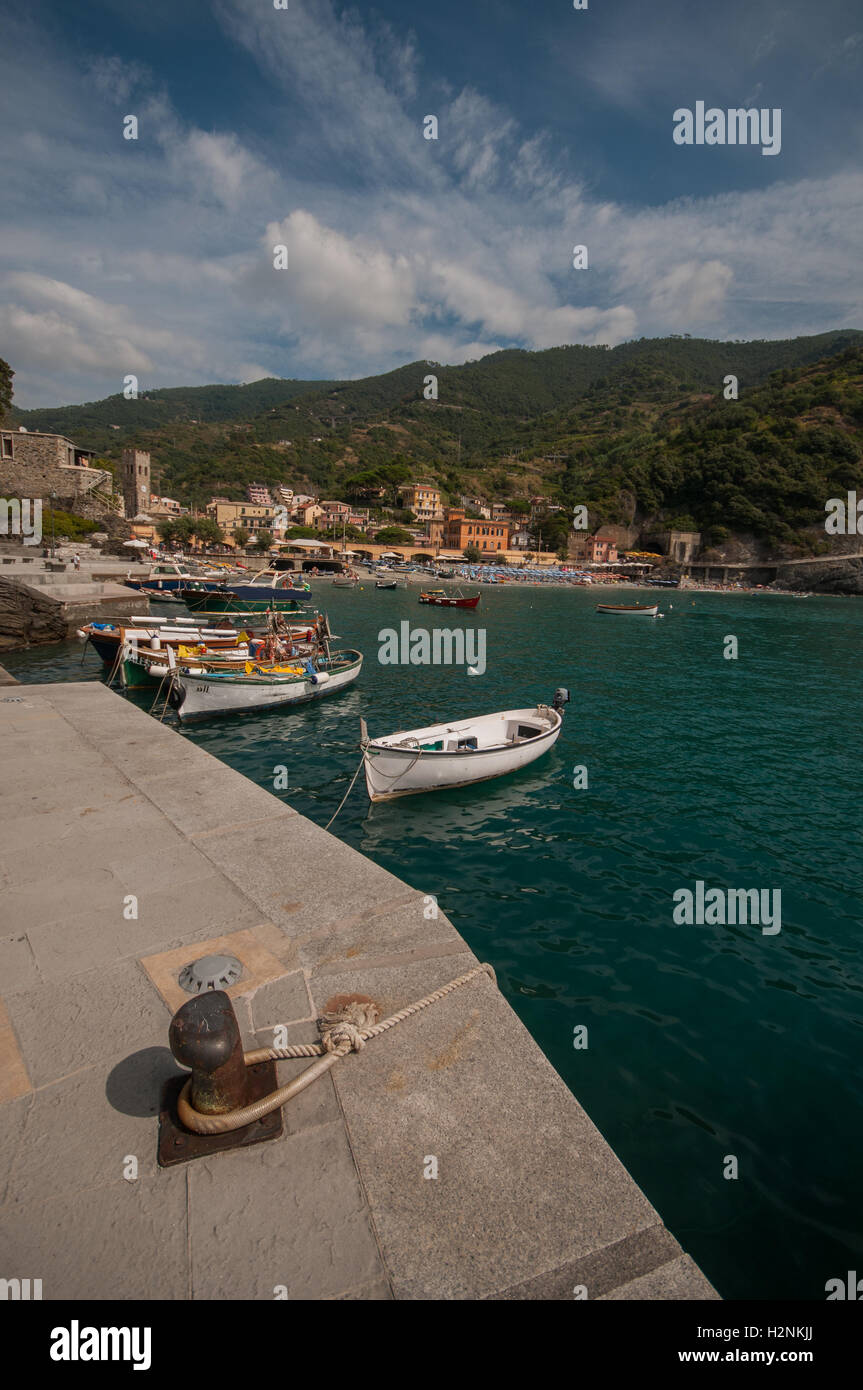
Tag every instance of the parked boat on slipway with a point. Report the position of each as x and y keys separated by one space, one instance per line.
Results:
x=457 y=754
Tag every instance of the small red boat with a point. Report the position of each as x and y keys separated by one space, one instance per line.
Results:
x=441 y=599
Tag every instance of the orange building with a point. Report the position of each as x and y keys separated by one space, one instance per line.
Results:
x=460 y=531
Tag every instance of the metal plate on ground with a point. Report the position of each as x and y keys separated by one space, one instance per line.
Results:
x=180 y=1145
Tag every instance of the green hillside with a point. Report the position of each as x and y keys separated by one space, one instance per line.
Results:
x=638 y=429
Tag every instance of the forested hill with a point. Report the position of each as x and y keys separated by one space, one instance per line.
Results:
x=641 y=428
x=512 y=383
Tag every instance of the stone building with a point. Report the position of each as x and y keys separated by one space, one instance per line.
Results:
x=136 y=481
x=33 y=448
x=34 y=464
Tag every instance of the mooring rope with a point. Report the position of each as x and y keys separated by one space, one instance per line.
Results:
x=339 y=1035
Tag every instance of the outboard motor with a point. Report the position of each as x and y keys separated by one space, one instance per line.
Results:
x=561 y=698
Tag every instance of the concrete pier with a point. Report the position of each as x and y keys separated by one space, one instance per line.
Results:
x=42 y=605
x=127 y=852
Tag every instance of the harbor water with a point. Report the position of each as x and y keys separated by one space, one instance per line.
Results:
x=689 y=1045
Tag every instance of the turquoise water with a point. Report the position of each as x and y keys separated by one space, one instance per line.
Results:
x=703 y=1041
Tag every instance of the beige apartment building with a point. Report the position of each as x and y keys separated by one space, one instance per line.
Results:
x=248 y=516
x=423 y=500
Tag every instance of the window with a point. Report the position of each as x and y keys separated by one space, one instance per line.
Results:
x=6 y=446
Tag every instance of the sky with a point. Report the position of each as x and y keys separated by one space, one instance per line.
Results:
x=303 y=127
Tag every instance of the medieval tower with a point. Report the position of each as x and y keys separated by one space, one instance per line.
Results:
x=136 y=482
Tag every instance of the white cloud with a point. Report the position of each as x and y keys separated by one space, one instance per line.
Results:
x=155 y=256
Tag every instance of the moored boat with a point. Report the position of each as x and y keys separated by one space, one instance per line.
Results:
x=439 y=598
x=279 y=591
x=637 y=609
x=261 y=687
x=170 y=576
x=457 y=754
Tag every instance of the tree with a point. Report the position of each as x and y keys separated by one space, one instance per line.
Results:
x=241 y=537
x=208 y=532
x=471 y=554
x=393 y=535
x=184 y=530
x=167 y=532
x=263 y=540
x=6 y=375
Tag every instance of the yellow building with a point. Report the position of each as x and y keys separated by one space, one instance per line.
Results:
x=248 y=516
x=423 y=500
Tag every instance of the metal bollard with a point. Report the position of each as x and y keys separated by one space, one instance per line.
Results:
x=205 y=1036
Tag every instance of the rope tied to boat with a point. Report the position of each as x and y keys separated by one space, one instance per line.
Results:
x=343 y=1032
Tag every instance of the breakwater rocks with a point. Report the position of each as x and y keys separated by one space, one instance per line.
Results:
x=832 y=576
x=27 y=619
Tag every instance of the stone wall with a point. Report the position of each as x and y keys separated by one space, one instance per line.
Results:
x=27 y=619
x=76 y=489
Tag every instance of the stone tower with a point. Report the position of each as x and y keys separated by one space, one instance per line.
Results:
x=136 y=481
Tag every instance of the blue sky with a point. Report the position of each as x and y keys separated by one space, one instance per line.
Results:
x=304 y=127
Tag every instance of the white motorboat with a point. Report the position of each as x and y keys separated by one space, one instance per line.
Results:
x=456 y=754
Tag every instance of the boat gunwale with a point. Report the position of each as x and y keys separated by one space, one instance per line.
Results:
x=375 y=747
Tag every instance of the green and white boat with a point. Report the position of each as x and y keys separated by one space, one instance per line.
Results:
x=200 y=696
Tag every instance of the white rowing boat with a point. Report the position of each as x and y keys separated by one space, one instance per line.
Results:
x=629 y=609
x=457 y=754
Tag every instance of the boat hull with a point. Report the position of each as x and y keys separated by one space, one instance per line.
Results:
x=633 y=611
x=394 y=772
x=245 y=601
x=450 y=602
x=203 y=697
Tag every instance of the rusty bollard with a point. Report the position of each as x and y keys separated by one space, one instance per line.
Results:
x=204 y=1035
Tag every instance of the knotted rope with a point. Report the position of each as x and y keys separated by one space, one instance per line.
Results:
x=346 y=1031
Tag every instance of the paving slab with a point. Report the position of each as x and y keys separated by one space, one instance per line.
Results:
x=679 y=1279
x=249 y=1237
x=62 y=1030
x=442 y=1085
x=128 y=1241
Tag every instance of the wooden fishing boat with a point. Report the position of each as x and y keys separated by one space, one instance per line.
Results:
x=386 y=583
x=441 y=599
x=644 y=610
x=457 y=754
x=106 y=638
x=261 y=687
x=349 y=580
x=144 y=668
